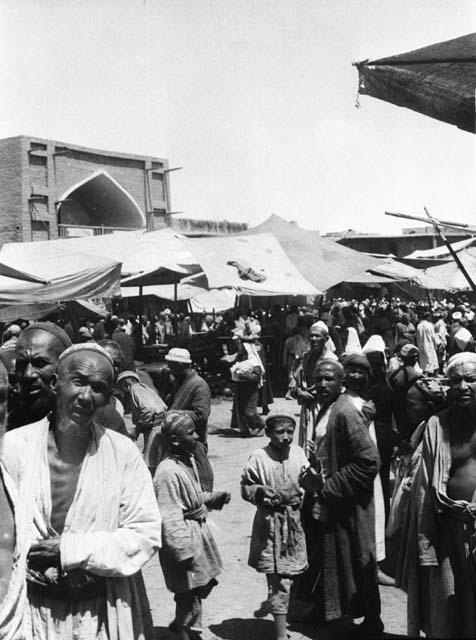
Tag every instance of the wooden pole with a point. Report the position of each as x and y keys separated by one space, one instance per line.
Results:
x=435 y=224
x=141 y=313
x=456 y=225
x=453 y=253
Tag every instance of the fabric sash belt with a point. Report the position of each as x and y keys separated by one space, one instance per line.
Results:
x=77 y=585
x=199 y=514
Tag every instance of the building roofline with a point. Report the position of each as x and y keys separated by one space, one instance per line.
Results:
x=91 y=150
x=392 y=236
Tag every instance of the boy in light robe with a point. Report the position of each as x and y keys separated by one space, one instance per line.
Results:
x=270 y=480
x=189 y=557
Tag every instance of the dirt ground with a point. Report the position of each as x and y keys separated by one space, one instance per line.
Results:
x=228 y=612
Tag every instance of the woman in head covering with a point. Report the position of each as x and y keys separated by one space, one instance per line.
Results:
x=247 y=374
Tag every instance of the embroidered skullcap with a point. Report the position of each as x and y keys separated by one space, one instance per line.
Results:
x=408 y=350
x=51 y=328
x=176 y=354
x=465 y=357
x=457 y=315
x=278 y=419
x=330 y=362
x=91 y=347
x=374 y=343
x=462 y=338
x=320 y=327
x=128 y=374
x=174 y=421
x=13 y=330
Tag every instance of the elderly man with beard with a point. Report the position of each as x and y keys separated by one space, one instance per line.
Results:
x=89 y=509
x=339 y=510
x=12 y=540
x=320 y=349
x=37 y=351
x=439 y=567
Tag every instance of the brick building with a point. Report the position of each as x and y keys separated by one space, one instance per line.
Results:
x=51 y=189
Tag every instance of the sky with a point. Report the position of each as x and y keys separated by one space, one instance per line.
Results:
x=254 y=99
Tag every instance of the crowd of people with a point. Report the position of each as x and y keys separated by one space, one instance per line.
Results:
x=381 y=462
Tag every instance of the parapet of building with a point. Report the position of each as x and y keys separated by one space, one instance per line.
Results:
x=399 y=245
x=51 y=189
x=193 y=227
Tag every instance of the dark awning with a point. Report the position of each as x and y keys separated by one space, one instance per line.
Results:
x=438 y=81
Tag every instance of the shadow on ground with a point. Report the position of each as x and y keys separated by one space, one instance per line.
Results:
x=162 y=633
x=240 y=628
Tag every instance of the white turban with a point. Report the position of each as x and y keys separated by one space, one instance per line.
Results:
x=465 y=357
x=463 y=337
x=320 y=327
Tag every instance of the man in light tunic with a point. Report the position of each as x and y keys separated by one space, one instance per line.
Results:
x=439 y=567
x=90 y=510
x=12 y=541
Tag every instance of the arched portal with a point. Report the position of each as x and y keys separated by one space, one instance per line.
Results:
x=99 y=201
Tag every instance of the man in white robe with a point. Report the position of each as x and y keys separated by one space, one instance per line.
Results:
x=12 y=541
x=90 y=510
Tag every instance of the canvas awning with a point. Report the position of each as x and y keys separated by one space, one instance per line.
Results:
x=201 y=300
x=322 y=262
x=70 y=275
x=448 y=275
x=256 y=265
x=440 y=252
x=438 y=80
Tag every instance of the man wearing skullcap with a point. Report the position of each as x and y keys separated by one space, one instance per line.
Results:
x=438 y=569
x=37 y=351
x=147 y=406
x=191 y=393
x=189 y=557
x=338 y=510
x=10 y=335
x=461 y=340
x=90 y=510
x=320 y=349
x=400 y=380
x=13 y=540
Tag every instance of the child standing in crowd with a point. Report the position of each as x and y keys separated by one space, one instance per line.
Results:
x=270 y=480
x=189 y=556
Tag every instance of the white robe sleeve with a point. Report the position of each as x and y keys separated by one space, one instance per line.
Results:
x=123 y=551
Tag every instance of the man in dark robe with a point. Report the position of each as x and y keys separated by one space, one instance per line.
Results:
x=192 y=394
x=342 y=575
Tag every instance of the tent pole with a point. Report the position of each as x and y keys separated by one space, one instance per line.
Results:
x=175 y=296
x=453 y=253
x=141 y=313
x=429 y=303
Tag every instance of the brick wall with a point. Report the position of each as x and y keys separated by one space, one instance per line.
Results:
x=10 y=191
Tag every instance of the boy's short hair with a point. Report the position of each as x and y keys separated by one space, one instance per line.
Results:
x=278 y=419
